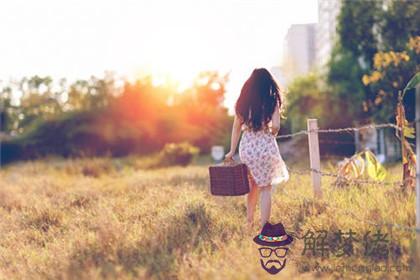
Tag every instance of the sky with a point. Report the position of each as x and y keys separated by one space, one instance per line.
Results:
x=176 y=39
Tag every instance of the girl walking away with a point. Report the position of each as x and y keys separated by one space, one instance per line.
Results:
x=257 y=115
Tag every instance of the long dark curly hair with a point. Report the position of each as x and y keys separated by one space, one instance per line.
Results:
x=257 y=101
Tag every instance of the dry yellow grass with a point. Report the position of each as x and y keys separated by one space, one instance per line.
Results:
x=112 y=219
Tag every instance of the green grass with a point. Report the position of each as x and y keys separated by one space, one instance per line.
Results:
x=107 y=218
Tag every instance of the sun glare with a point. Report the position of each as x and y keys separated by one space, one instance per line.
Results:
x=176 y=79
x=173 y=68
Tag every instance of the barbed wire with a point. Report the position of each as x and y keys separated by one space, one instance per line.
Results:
x=339 y=130
x=360 y=181
x=302 y=132
x=344 y=179
x=369 y=126
x=333 y=142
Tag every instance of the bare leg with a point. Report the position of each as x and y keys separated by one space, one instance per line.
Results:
x=265 y=204
x=252 y=199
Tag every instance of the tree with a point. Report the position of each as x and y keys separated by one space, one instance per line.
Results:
x=392 y=71
x=343 y=79
x=304 y=100
x=350 y=59
x=91 y=94
x=397 y=59
x=370 y=32
x=358 y=29
x=8 y=111
x=399 y=22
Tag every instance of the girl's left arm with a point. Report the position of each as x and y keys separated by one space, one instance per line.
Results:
x=236 y=133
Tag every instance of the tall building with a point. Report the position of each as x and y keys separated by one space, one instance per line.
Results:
x=299 y=50
x=277 y=72
x=328 y=10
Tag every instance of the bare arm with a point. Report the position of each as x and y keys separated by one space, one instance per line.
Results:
x=276 y=120
x=236 y=133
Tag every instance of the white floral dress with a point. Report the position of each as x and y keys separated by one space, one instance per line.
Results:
x=260 y=152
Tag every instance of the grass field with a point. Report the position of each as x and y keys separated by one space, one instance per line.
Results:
x=114 y=218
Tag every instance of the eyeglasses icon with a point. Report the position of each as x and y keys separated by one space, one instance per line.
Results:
x=266 y=252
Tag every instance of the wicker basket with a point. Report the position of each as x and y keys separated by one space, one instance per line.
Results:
x=229 y=179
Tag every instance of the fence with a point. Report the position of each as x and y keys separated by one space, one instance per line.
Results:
x=316 y=173
x=315 y=157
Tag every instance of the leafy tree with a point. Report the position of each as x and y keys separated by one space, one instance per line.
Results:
x=8 y=111
x=400 y=21
x=304 y=100
x=309 y=97
x=38 y=100
x=392 y=71
x=397 y=59
x=352 y=54
x=343 y=81
x=91 y=94
x=368 y=32
x=358 y=29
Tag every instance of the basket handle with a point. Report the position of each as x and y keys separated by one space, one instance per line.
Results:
x=228 y=161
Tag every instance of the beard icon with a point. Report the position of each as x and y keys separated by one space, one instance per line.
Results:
x=273 y=263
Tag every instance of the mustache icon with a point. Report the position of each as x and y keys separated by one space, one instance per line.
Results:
x=272 y=261
x=273 y=269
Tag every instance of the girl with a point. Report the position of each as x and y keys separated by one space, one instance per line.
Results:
x=257 y=114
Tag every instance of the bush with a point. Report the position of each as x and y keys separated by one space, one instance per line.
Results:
x=177 y=154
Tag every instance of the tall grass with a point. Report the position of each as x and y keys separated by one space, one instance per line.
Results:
x=106 y=218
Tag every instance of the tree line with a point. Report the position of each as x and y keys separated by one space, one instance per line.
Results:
x=107 y=116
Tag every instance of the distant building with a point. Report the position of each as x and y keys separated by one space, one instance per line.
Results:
x=277 y=72
x=299 y=50
x=328 y=10
x=309 y=46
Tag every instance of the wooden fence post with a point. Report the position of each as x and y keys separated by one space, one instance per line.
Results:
x=418 y=174
x=357 y=141
x=314 y=156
